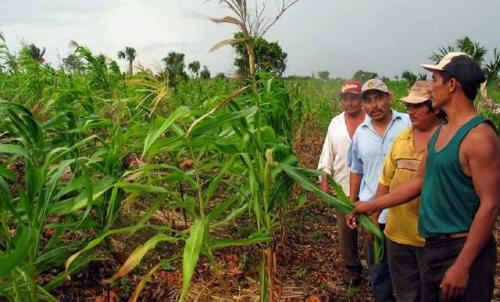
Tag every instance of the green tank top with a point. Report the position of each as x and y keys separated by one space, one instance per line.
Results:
x=448 y=201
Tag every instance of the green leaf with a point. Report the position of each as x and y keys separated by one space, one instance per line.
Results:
x=78 y=264
x=233 y=215
x=223 y=206
x=223 y=119
x=19 y=248
x=15 y=149
x=154 y=134
x=191 y=254
x=133 y=187
x=307 y=184
x=338 y=190
x=344 y=206
x=97 y=241
x=152 y=208
x=214 y=184
x=136 y=256
x=268 y=135
x=74 y=204
x=7 y=174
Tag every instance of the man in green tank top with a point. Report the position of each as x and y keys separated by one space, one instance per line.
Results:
x=459 y=183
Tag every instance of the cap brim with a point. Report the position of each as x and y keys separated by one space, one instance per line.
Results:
x=350 y=92
x=432 y=67
x=414 y=99
x=372 y=89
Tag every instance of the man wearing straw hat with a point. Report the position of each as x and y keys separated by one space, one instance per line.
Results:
x=458 y=180
x=404 y=244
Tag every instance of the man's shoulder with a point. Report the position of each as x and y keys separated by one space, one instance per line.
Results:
x=405 y=134
x=360 y=130
x=401 y=115
x=481 y=135
x=338 y=117
x=401 y=120
x=337 y=120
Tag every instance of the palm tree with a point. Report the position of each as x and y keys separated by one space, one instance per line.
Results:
x=73 y=63
x=205 y=73
x=465 y=44
x=129 y=54
x=409 y=76
x=194 y=67
x=478 y=53
x=174 y=64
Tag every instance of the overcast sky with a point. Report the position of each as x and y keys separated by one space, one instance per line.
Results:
x=385 y=36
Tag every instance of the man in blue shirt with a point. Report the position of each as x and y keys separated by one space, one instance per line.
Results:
x=370 y=144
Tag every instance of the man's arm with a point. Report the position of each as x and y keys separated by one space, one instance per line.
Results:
x=481 y=149
x=403 y=193
x=381 y=191
x=326 y=159
x=325 y=186
x=354 y=185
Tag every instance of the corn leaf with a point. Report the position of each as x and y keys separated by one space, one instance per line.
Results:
x=222 y=119
x=191 y=254
x=138 y=289
x=136 y=256
x=14 y=149
x=93 y=243
x=20 y=247
x=307 y=184
x=154 y=133
x=134 y=187
x=80 y=201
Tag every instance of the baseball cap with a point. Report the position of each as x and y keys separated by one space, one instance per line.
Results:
x=373 y=84
x=460 y=66
x=419 y=93
x=351 y=86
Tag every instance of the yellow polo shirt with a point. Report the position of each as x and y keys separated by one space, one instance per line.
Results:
x=401 y=164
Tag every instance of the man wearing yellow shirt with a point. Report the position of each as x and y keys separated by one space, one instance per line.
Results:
x=404 y=244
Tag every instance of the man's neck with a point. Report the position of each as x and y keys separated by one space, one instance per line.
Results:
x=355 y=116
x=459 y=111
x=430 y=129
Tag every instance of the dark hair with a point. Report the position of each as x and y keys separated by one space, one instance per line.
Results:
x=467 y=72
x=441 y=114
x=470 y=89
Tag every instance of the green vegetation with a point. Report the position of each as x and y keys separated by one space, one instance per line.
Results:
x=79 y=147
x=84 y=145
x=269 y=57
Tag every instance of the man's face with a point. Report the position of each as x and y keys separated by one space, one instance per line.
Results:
x=377 y=104
x=439 y=90
x=351 y=103
x=421 y=116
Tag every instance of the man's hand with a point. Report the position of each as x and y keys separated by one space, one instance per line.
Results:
x=364 y=207
x=351 y=220
x=325 y=186
x=454 y=282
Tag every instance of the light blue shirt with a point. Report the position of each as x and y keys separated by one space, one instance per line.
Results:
x=367 y=154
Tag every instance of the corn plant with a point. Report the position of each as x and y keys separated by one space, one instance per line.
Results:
x=31 y=244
